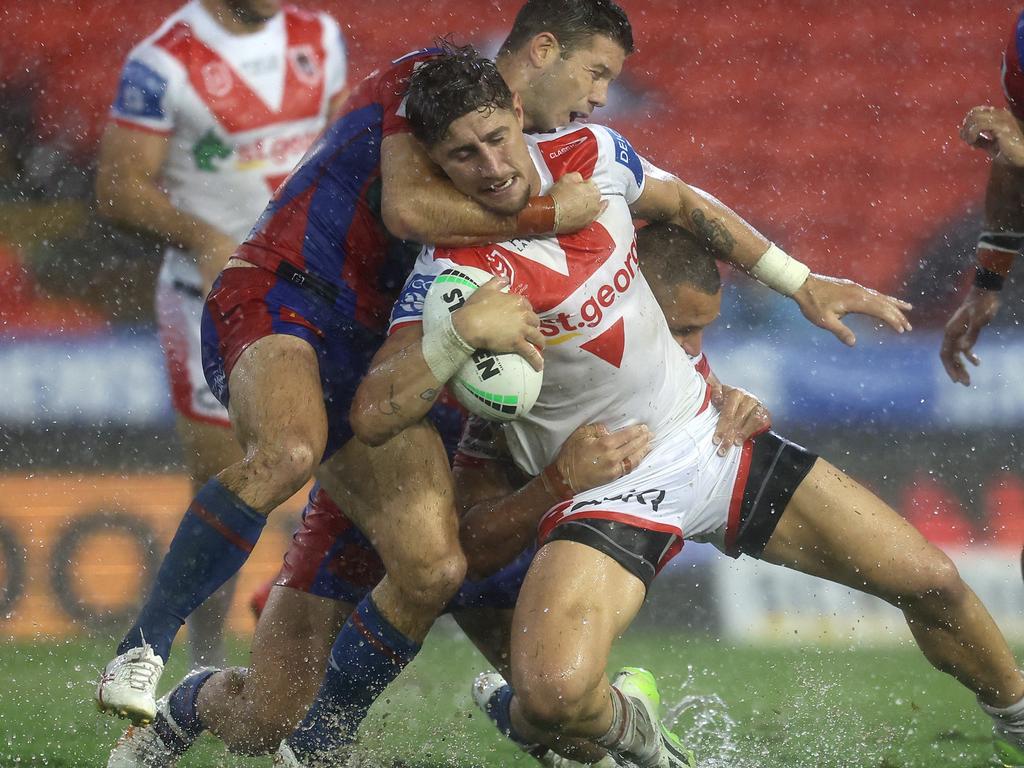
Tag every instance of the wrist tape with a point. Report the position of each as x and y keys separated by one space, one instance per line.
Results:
x=780 y=271
x=444 y=351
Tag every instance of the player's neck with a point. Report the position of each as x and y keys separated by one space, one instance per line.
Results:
x=227 y=19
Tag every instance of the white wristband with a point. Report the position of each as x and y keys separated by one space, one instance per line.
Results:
x=444 y=350
x=780 y=271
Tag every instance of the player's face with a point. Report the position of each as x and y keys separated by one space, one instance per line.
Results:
x=573 y=85
x=253 y=11
x=484 y=154
x=688 y=312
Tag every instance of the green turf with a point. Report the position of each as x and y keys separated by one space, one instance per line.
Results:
x=801 y=707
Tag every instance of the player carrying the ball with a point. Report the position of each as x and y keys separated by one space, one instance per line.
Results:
x=609 y=357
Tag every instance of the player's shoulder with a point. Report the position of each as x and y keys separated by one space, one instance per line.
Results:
x=590 y=149
x=314 y=19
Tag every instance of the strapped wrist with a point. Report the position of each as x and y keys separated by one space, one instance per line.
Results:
x=539 y=217
x=555 y=483
x=444 y=350
x=780 y=271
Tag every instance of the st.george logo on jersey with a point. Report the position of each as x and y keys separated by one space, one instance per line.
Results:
x=496 y=387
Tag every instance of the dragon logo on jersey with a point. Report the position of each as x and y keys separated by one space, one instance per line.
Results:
x=217 y=78
x=498 y=265
x=304 y=63
x=209 y=148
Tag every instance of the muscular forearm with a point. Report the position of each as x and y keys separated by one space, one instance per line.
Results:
x=727 y=234
x=397 y=392
x=437 y=213
x=494 y=532
x=145 y=207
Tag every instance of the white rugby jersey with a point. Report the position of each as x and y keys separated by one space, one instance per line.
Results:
x=240 y=110
x=609 y=356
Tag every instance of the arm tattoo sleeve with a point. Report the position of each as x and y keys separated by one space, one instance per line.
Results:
x=713 y=232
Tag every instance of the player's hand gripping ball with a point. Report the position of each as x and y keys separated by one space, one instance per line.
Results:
x=500 y=387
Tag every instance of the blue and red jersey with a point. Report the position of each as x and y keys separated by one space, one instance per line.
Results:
x=325 y=219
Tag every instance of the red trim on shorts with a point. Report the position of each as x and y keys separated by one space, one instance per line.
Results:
x=549 y=523
x=239 y=311
x=552 y=521
x=322 y=523
x=738 y=487
x=220 y=528
x=175 y=345
x=139 y=127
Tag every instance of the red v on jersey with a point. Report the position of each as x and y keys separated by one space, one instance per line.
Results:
x=233 y=103
x=609 y=345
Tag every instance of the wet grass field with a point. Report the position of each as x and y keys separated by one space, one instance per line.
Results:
x=738 y=706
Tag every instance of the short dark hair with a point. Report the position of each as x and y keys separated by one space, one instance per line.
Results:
x=572 y=22
x=456 y=82
x=675 y=256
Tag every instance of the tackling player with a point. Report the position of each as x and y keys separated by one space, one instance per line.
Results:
x=212 y=111
x=600 y=549
x=295 y=317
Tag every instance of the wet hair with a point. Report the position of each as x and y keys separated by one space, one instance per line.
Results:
x=572 y=22
x=458 y=81
x=673 y=255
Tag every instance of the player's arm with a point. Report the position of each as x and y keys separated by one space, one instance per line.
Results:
x=500 y=513
x=410 y=368
x=823 y=300
x=419 y=203
x=996 y=250
x=128 y=191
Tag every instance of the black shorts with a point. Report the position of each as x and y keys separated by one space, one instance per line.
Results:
x=771 y=468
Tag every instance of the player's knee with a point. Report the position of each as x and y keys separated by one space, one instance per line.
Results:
x=433 y=580
x=287 y=462
x=934 y=584
x=553 y=698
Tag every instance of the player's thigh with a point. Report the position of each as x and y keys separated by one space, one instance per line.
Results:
x=290 y=648
x=573 y=604
x=399 y=494
x=489 y=629
x=208 y=448
x=836 y=529
x=276 y=394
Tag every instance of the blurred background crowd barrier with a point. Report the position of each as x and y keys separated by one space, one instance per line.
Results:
x=831 y=126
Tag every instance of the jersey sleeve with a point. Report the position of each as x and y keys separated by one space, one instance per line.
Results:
x=408 y=308
x=147 y=93
x=621 y=163
x=1013 y=75
x=337 y=56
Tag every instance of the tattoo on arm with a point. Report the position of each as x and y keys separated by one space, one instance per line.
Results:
x=428 y=394
x=713 y=232
x=391 y=406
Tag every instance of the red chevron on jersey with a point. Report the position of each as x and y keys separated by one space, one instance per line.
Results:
x=575 y=152
x=609 y=345
x=233 y=103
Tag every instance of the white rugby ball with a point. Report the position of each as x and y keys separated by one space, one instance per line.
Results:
x=495 y=387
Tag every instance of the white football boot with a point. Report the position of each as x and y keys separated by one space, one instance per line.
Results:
x=485 y=685
x=639 y=684
x=154 y=746
x=128 y=684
